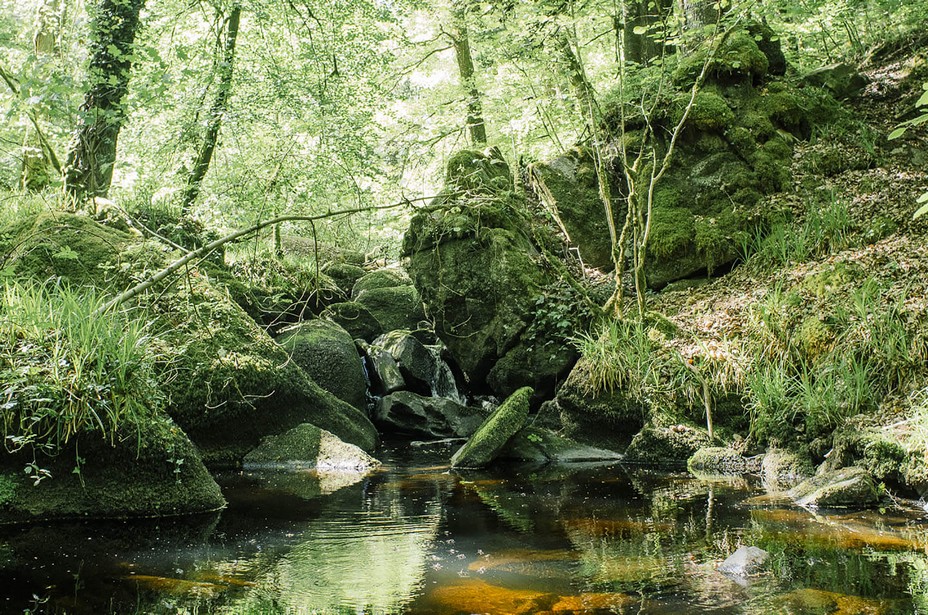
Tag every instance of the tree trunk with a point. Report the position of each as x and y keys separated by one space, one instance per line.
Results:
x=640 y=29
x=89 y=167
x=699 y=13
x=35 y=173
x=217 y=112
x=476 y=127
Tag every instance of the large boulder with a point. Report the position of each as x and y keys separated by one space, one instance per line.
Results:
x=666 y=445
x=410 y=414
x=152 y=473
x=354 y=318
x=308 y=447
x=344 y=275
x=328 y=355
x=394 y=307
x=228 y=383
x=479 y=269
x=717 y=461
x=388 y=277
x=495 y=432
x=417 y=364
x=539 y=445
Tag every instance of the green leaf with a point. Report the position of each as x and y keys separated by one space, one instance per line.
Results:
x=896 y=133
x=67 y=254
x=921 y=210
x=640 y=30
x=923 y=100
x=923 y=198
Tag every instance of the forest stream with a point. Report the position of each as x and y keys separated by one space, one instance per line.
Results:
x=416 y=538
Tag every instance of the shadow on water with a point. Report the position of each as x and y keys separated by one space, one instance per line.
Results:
x=418 y=539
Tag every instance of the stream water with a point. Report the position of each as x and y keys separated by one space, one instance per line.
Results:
x=417 y=539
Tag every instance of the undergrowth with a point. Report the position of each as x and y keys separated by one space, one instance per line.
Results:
x=68 y=369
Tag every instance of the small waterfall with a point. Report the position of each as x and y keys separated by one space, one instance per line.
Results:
x=443 y=383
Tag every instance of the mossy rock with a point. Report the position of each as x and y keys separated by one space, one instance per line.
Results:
x=568 y=186
x=354 y=318
x=396 y=307
x=842 y=80
x=327 y=353
x=345 y=275
x=769 y=44
x=308 y=447
x=540 y=366
x=538 y=445
x=388 y=277
x=782 y=469
x=851 y=487
x=670 y=446
x=156 y=472
x=478 y=172
x=495 y=432
x=407 y=413
x=716 y=461
x=227 y=382
x=737 y=59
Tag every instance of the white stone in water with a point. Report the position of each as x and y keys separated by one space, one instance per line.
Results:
x=744 y=562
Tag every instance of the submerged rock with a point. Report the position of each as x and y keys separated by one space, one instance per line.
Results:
x=845 y=488
x=328 y=355
x=534 y=444
x=495 y=432
x=407 y=413
x=782 y=469
x=308 y=447
x=745 y=562
x=666 y=445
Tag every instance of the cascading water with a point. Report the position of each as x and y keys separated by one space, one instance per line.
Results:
x=443 y=383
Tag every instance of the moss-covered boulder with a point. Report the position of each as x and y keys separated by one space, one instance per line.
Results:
x=409 y=414
x=308 y=447
x=474 y=257
x=716 y=461
x=495 y=432
x=388 y=277
x=845 y=488
x=842 y=80
x=354 y=318
x=782 y=469
x=228 y=383
x=394 y=307
x=417 y=364
x=154 y=473
x=569 y=189
x=328 y=355
x=345 y=275
x=671 y=446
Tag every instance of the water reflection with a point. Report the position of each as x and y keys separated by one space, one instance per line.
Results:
x=417 y=539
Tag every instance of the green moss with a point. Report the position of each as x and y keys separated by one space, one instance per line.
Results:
x=716 y=460
x=7 y=490
x=758 y=124
x=738 y=58
x=495 y=432
x=672 y=229
x=710 y=112
x=382 y=278
x=785 y=109
x=814 y=338
x=479 y=172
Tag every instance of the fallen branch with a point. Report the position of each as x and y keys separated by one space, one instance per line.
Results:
x=213 y=245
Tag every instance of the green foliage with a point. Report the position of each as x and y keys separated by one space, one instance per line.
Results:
x=68 y=369
x=825 y=229
x=922 y=105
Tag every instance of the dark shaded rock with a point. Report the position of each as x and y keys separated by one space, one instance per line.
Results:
x=389 y=277
x=308 y=447
x=159 y=473
x=769 y=44
x=842 y=80
x=717 y=460
x=530 y=363
x=845 y=488
x=345 y=275
x=354 y=318
x=538 y=445
x=327 y=353
x=384 y=373
x=397 y=307
x=407 y=413
x=495 y=432
x=745 y=562
x=568 y=187
x=666 y=445
x=416 y=362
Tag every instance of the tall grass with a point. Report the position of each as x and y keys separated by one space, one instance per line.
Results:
x=826 y=228
x=66 y=369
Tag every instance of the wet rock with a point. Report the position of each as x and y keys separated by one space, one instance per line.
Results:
x=666 y=445
x=385 y=373
x=327 y=353
x=717 y=460
x=495 y=432
x=745 y=562
x=782 y=469
x=396 y=307
x=429 y=417
x=537 y=445
x=308 y=447
x=354 y=318
x=842 y=80
x=388 y=277
x=416 y=362
x=845 y=488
